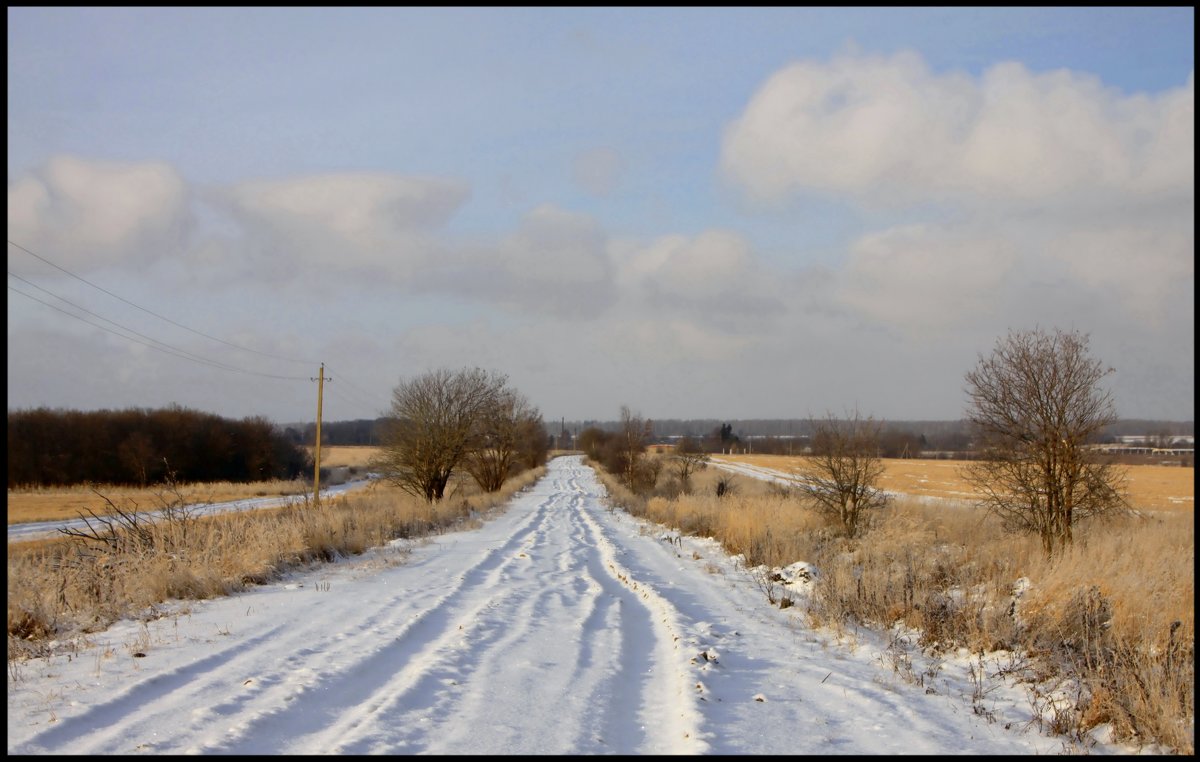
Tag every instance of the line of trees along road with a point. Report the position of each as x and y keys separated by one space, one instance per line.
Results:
x=139 y=447
x=469 y=419
x=1035 y=403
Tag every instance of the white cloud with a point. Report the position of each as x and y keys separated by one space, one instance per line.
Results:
x=714 y=274
x=342 y=222
x=1140 y=271
x=671 y=341
x=85 y=214
x=555 y=263
x=933 y=281
x=924 y=280
x=890 y=131
x=1014 y=197
x=385 y=227
x=364 y=207
x=554 y=247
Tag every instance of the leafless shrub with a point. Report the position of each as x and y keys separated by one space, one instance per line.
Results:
x=1035 y=406
x=841 y=475
x=1122 y=653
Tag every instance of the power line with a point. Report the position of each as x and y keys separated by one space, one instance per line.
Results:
x=165 y=348
x=174 y=350
x=367 y=401
x=155 y=314
x=358 y=403
x=366 y=395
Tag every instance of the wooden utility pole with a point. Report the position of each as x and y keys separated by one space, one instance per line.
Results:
x=317 y=452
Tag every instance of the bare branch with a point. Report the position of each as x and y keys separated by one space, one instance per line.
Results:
x=1035 y=406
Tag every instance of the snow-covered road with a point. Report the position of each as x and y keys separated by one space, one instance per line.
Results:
x=558 y=627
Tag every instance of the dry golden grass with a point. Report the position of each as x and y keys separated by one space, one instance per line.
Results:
x=344 y=455
x=1151 y=488
x=1113 y=616
x=54 y=503
x=63 y=588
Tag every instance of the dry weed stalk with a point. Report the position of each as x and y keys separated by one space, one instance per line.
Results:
x=125 y=563
x=1112 y=617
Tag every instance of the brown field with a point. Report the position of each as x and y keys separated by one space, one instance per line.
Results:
x=1151 y=488
x=1155 y=488
x=50 y=504
x=355 y=457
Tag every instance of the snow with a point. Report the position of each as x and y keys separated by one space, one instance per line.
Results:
x=560 y=626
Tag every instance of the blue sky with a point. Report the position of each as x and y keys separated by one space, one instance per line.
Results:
x=702 y=212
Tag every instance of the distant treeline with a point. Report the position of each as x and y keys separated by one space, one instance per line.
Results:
x=786 y=436
x=713 y=434
x=138 y=447
x=362 y=431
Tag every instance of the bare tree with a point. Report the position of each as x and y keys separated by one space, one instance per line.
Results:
x=533 y=441
x=841 y=473
x=431 y=427
x=631 y=442
x=1035 y=405
x=592 y=441
x=502 y=434
x=687 y=460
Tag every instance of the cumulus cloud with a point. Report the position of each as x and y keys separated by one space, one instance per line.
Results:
x=361 y=207
x=889 y=130
x=86 y=214
x=931 y=281
x=1145 y=272
x=1028 y=195
x=386 y=229
x=922 y=279
x=346 y=221
x=673 y=341
x=714 y=274
x=556 y=262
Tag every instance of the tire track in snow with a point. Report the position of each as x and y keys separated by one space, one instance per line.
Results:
x=560 y=626
x=297 y=683
x=669 y=702
x=137 y=701
x=520 y=650
x=412 y=663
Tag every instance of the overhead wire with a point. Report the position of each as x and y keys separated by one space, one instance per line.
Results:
x=155 y=314
x=160 y=346
x=168 y=348
x=365 y=395
x=356 y=403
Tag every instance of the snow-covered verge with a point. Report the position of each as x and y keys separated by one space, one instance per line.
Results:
x=561 y=626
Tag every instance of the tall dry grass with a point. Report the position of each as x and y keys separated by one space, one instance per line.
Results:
x=64 y=589
x=1107 y=628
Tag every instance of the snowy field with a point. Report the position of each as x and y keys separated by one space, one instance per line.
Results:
x=558 y=627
